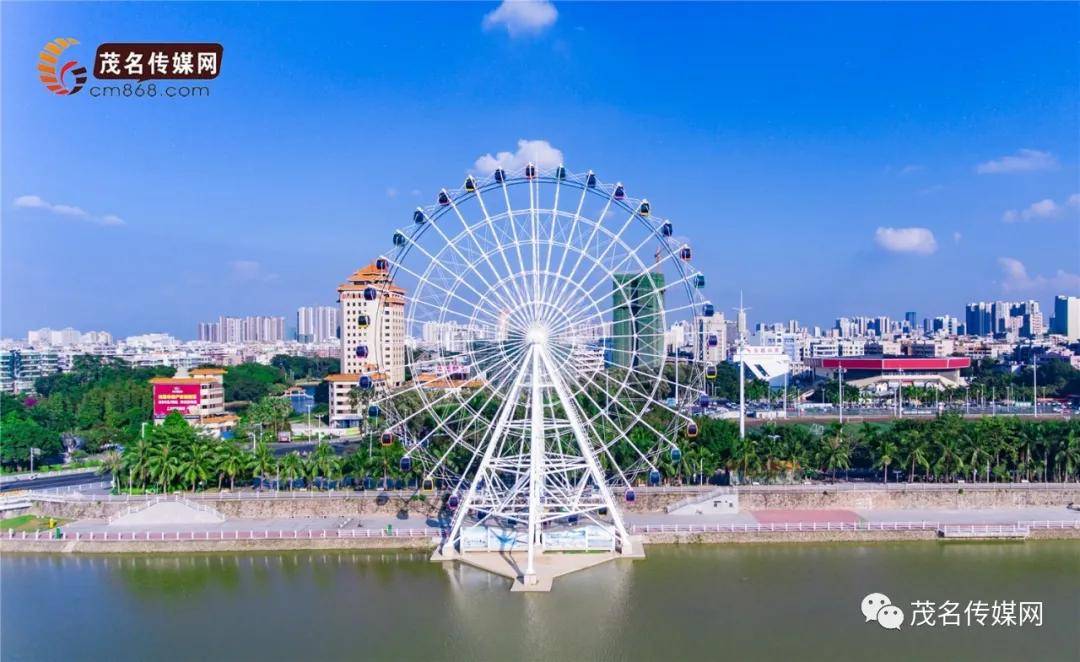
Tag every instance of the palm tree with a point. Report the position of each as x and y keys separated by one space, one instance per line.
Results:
x=744 y=457
x=950 y=461
x=231 y=462
x=112 y=463
x=292 y=466
x=163 y=464
x=914 y=451
x=137 y=459
x=885 y=451
x=263 y=462
x=197 y=464
x=835 y=451
x=1068 y=456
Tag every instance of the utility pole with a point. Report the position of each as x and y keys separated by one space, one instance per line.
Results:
x=1034 y=381
x=741 y=322
x=840 y=374
x=785 y=389
x=900 y=396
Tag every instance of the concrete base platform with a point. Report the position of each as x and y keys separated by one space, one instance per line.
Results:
x=548 y=565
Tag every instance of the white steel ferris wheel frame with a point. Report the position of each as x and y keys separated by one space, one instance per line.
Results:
x=540 y=460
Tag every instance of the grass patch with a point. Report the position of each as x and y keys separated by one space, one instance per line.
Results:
x=30 y=523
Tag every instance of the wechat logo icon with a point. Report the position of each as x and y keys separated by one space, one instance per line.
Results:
x=878 y=607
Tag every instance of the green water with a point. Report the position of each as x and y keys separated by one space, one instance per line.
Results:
x=798 y=602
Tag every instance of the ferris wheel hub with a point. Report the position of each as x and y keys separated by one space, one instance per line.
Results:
x=537 y=335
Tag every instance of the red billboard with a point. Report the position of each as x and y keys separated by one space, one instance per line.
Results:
x=183 y=398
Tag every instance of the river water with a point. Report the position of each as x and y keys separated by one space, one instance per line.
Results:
x=798 y=602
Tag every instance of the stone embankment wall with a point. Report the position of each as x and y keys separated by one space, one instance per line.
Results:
x=757 y=498
x=949 y=498
x=320 y=505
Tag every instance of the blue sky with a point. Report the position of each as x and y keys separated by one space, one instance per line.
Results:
x=828 y=160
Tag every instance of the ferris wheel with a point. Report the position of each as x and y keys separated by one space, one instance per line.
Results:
x=546 y=315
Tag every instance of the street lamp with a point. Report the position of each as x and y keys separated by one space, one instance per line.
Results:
x=840 y=374
x=1034 y=382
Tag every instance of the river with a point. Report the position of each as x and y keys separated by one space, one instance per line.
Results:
x=784 y=601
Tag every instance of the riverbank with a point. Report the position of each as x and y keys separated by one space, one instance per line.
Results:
x=427 y=539
x=269 y=521
x=871 y=496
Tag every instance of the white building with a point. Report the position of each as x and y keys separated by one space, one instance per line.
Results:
x=373 y=318
x=316 y=323
x=372 y=339
x=706 y=328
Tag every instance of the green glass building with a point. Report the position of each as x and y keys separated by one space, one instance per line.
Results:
x=637 y=326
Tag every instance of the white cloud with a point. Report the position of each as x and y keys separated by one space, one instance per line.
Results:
x=37 y=202
x=522 y=17
x=1073 y=201
x=956 y=237
x=906 y=240
x=1025 y=160
x=910 y=168
x=250 y=271
x=1037 y=210
x=391 y=192
x=1016 y=279
x=539 y=152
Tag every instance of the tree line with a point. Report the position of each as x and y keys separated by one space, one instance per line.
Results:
x=105 y=401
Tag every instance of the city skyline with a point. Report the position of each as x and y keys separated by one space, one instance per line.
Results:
x=848 y=185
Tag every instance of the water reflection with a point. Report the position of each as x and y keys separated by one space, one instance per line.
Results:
x=682 y=602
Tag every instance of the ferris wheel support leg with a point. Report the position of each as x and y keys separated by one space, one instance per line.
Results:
x=508 y=407
x=625 y=545
x=536 y=466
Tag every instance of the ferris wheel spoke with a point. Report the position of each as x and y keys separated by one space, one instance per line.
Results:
x=598 y=259
x=585 y=247
x=551 y=236
x=441 y=306
x=498 y=244
x=633 y=252
x=471 y=265
x=644 y=396
x=654 y=292
x=618 y=429
x=535 y=241
x=458 y=440
x=514 y=297
x=573 y=228
x=512 y=221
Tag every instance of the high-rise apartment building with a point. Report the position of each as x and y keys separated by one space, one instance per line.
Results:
x=710 y=338
x=316 y=323
x=637 y=331
x=1004 y=318
x=1066 y=320
x=373 y=324
x=236 y=330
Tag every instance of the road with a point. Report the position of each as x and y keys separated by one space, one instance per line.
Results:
x=46 y=482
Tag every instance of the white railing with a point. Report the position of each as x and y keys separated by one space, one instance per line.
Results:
x=144 y=505
x=795 y=527
x=646 y=529
x=218 y=535
x=968 y=530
